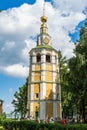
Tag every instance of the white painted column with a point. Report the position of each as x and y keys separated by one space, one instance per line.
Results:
x=55 y=109
x=33 y=57
x=31 y=108
x=42 y=110
x=31 y=92
x=43 y=53
x=43 y=76
x=32 y=76
x=43 y=65
x=33 y=67
x=43 y=86
x=42 y=103
x=42 y=91
x=54 y=91
x=53 y=57
x=54 y=76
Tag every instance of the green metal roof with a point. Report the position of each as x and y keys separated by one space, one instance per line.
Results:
x=44 y=46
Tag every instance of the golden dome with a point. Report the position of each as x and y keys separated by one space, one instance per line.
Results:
x=43 y=25
x=43 y=19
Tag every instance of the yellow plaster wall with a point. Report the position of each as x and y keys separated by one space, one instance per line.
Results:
x=49 y=94
x=36 y=106
x=49 y=76
x=49 y=109
x=36 y=88
x=49 y=67
x=37 y=67
x=37 y=76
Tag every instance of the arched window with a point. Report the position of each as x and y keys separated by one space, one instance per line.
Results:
x=48 y=58
x=38 y=57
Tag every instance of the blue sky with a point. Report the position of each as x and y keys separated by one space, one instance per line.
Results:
x=19 y=26
x=5 y=4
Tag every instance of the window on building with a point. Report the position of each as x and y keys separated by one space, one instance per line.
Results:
x=48 y=58
x=36 y=95
x=38 y=57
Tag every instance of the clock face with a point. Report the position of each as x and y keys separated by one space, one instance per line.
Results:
x=46 y=40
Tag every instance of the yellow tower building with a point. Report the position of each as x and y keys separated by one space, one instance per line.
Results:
x=44 y=92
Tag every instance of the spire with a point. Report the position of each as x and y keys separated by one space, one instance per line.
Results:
x=43 y=20
x=43 y=38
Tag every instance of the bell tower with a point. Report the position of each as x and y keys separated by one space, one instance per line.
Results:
x=44 y=92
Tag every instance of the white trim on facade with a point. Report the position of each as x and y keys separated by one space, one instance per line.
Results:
x=54 y=76
x=42 y=110
x=42 y=90
x=32 y=92
x=32 y=76
x=54 y=91
x=33 y=67
x=43 y=76
x=31 y=109
x=54 y=109
x=43 y=53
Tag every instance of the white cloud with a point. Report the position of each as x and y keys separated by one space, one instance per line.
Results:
x=70 y=5
x=19 y=25
x=15 y=70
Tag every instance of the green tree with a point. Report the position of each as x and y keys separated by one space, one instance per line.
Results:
x=78 y=73
x=65 y=93
x=20 y=100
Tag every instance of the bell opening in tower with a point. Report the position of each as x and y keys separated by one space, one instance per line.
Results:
x=48 y=58
x=38 y=57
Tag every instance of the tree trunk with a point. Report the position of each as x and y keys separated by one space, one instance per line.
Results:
x=83 y=110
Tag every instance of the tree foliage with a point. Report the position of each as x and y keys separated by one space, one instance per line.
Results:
x=20 y=100
x=65 y=93
x=78 y=73
x=73 y=78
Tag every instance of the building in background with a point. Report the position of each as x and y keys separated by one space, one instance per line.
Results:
x=1 y=107
x=44 y=91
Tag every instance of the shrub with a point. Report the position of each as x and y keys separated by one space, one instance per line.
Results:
x=33 y=125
